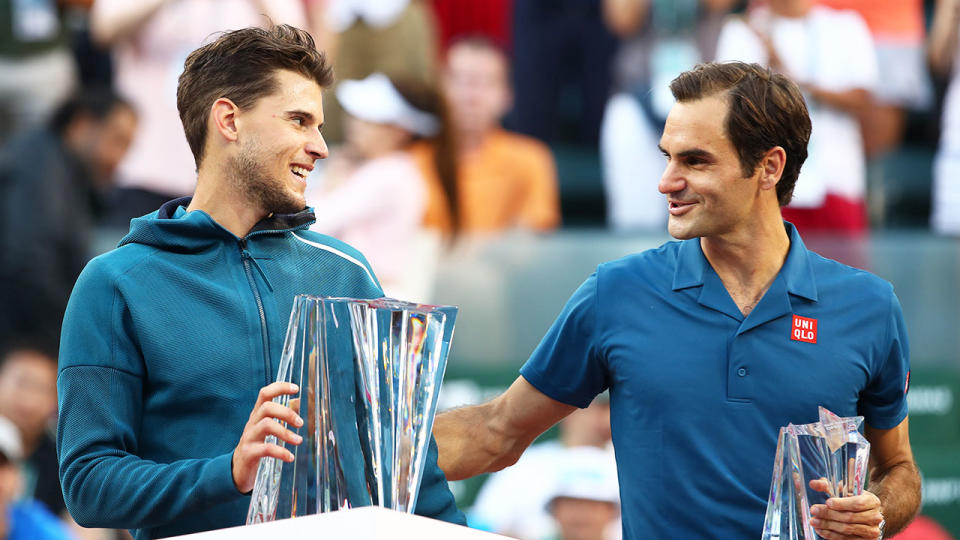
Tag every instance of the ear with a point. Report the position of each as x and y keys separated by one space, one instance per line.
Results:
x=771 y=167
x=223 y=116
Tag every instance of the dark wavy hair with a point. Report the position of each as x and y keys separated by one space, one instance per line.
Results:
x=766 y=110
x=240 y=66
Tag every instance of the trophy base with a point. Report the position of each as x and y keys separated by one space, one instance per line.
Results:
x=368 y=523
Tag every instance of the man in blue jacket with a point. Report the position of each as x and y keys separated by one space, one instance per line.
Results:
x=172 y=339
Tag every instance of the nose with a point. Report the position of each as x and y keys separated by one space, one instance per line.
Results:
x=317 y=147
x=671 y=181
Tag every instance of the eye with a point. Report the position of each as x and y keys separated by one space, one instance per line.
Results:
x=299 y=120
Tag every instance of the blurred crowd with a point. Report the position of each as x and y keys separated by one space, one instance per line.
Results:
x=448 y=120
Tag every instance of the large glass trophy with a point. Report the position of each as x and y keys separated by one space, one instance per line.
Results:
x=369 y=374
x=832 y=449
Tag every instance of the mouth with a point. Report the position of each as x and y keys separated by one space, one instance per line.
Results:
x=300 y=172
x=679 y=208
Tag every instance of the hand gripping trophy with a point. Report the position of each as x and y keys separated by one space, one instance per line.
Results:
x=369 y=373
x=832 y=449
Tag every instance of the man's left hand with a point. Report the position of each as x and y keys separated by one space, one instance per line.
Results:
x=846 y=518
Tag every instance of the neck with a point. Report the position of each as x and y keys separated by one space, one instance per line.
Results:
x=748 y=261
x=471 y=141
x=224 y=203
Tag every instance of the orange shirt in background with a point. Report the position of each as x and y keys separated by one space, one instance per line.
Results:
x=510 y=181
x=894 y=20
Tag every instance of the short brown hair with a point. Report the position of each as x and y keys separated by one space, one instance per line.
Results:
x=240 y=66
x=766 y=110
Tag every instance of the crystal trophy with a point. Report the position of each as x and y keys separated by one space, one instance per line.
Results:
x=832 y=449
x=369 y=374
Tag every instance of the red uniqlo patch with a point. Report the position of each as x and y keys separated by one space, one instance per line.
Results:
x=804 y=329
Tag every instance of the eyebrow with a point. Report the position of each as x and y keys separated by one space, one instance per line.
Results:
x=692 y=152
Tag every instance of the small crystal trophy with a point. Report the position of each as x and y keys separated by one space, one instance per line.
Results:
x=369 y=374
x=832 y=449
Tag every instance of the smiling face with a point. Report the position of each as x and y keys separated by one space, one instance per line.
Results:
x=476 y=83
x=278 y=141
x=706 y=191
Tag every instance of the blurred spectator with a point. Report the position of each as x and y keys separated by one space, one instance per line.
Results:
x=504 y=179
x=393 y=37
x=36 y=67
x=945 y=217
x=94 y=65
x=830 y=55
x=585 y=499
x=28 y=396
x=562 y=53
x=371 y=194
x=515 y=500
x=151 y=40
x=23 y=520
x=659 y=40
x=897 y=27
x=51 y=181
x=490 y=18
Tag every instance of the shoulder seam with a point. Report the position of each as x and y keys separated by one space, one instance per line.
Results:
x=336 y=252
x=112 y=368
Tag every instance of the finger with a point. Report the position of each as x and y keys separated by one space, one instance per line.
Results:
x=851 y=468
x=267 y=393
x=830 y=535
x=845 y=530
x=868 y=517
x=271 y=409
x=295 y=405
x=857 y=503
x=255 y=451
x=269 y=426
x=821 y=485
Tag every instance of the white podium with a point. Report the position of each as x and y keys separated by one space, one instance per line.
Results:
x=367 y=523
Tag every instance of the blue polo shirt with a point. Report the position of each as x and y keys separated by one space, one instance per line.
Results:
x=698 y=392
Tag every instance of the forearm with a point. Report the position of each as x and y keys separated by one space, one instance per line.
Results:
x=111 y=20
x=489 y=437
x=105 y=482
x=898 y=489
x=469 y=443
x=943 y=36
x=852 y=101
x=132 y=493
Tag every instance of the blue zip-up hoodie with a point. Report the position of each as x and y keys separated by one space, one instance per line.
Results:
x=166 y=343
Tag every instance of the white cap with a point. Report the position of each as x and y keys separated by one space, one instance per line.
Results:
x=375 y=99
x=10 y=443
x=589 y=473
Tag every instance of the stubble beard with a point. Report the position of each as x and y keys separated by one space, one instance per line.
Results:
x=252 y=179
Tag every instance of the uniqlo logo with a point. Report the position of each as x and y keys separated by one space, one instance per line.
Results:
x=804 y=329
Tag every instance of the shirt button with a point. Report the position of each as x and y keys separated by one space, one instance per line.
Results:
x=742 y=372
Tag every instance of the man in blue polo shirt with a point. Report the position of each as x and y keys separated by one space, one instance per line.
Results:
x=710 y=344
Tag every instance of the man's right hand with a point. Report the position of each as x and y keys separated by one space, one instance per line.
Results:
x=264 y=421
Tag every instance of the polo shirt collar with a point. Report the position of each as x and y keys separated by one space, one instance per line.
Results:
x=693 y=270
